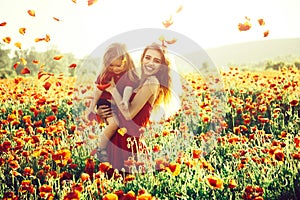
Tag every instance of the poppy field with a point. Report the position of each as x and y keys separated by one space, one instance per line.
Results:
x=46 y=142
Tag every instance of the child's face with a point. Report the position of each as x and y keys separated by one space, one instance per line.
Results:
x=116 y=66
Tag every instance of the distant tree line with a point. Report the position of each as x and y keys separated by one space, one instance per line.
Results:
x=279 y=65
x=35 y=61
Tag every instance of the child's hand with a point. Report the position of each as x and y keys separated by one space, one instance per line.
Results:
x=124 y=105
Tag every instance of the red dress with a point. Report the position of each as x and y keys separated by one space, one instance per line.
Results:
x=117 y=149
x=121 y=80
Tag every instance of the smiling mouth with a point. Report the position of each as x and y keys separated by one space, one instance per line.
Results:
x=149 y=68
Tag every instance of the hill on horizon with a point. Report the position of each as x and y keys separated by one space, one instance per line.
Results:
x=251 y=53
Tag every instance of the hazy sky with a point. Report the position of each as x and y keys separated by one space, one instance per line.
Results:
x=82 y=28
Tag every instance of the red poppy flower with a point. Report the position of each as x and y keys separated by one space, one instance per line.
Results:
x=294 y=102
x=215 y=182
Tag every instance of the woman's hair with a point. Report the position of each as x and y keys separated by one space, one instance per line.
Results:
x=163 y=75
x=118 y=51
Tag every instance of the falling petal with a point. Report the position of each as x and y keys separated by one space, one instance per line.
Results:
x=73 y=65
x=161 y=38
x=22 y=31
x=171 y=41
x=266 y=33
x=39 y=39
x=122 y=131
x=47 y=38
x=168 y=22
x=103 y=86
x=74 y=1
x=3 y=24
x=261 y=22
x=35 y=62
x=179 y=8
x=56 y=19
x=40 y=74
x=47 y=85
x=57 y=57
x=25 y=70
x=16 y=65
x=58 y=83
x=6 y=40
x=247 y=18
x=244 y=26
x=24 y=62
x=19 y=45
x=31 y=13
x=91 y=2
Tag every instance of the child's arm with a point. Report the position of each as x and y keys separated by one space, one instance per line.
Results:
x=126 y=96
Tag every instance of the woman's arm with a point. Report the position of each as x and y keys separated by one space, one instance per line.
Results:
x=149 y=89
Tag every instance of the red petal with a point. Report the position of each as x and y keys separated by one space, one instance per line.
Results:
x=73 y=65
x=103 y=86
x=35 y=62
x=25 y=70
x=261 y=22
x=168 y=22
x=47 y=38
x=31 y=13
x=266 y=33
x=56 y=19
x=171 y=41
x=91 y=2
x=57 y=57
x=244 y=27
x=16 y=65
x=6 y=40
x=47 y=85
x=3 y=24
x=39 y=39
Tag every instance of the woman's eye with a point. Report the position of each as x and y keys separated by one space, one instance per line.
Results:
x=157 y=61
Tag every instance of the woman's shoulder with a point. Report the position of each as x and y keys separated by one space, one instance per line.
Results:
x=152 y=84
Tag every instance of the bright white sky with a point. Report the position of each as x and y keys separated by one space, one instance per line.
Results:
x=210 y=23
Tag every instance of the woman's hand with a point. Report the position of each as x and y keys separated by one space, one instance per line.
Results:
x=104 y=112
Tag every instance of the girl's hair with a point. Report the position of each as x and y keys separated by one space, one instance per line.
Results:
x=118 y=51
x=163 y=75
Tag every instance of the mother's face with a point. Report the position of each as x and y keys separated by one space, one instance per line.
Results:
x=151 y=62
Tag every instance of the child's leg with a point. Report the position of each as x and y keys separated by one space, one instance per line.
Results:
x=108 y=132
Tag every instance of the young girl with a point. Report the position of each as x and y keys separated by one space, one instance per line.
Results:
x=119 y=67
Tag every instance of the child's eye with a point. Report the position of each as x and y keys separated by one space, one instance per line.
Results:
x=112 y=66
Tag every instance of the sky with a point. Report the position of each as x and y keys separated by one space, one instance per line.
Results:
x=83 y=28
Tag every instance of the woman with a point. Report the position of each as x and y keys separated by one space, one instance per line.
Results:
x=153 y=89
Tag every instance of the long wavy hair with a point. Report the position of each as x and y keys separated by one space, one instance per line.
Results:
x=163 y=75
x=118 y=51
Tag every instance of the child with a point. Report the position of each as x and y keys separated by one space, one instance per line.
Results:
x=118 y=66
